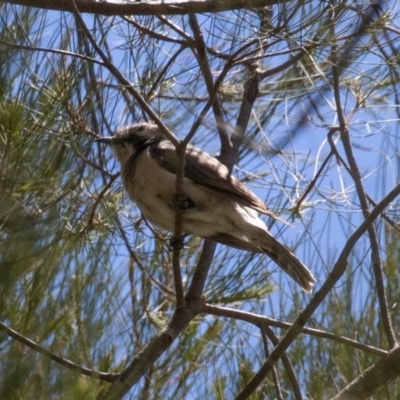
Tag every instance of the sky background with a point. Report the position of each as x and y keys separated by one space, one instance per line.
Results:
x=294 y=120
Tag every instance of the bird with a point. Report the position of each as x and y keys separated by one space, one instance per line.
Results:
x=216 y=206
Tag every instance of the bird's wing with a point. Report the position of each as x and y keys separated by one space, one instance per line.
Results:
x=207 y=172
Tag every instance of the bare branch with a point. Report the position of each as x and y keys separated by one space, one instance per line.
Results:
x=375 y=251
x=60 y=360
x=249 y=97
x=177 y=238
x=379 y=374
x=258 y=320
x=150 y=354
x=117 y=74
x=146 y=8
x=337 y=271
x=50 y=50
x=201 y=54
x=294 y=382
x=313 y=182
x=200 y=274
x=164 y=289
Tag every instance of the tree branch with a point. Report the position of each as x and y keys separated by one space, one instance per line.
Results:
x=373 y=237
x=201 y=54
x=200 y=274
x=382 y=372
x=178 y=228
x=117 y=74
x=337 y=271
x=291 y=374
x=150 y=354
x=250 y=95
x=60 y=360
x=258 y=320
x=146 y=8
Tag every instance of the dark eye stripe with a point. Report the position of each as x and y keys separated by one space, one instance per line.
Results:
x=135 y=140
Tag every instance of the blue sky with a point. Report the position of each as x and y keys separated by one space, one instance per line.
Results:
x=329 y=214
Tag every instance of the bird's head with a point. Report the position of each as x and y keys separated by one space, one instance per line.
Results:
x=131 y=139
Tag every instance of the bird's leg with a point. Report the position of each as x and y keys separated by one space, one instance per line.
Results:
x=183 y=203
x=178 y=244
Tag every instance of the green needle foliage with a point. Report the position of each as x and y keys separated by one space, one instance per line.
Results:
x=91 y=284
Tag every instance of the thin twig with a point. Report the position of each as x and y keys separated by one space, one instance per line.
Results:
x=143 y=103
x=277 y=384
x=164 y=71
x=115 y=72
x=264 y=340
x=167 y=292
x=50 y=50
x=150 y=354
x=99 y=198
x=201 y=54
x=259 y=320
x=250 y=95
x=369 y=381
x=336 y=273
x=178 y=30
x=293 y=60
x=155 y=35
x=60 y=360
x=373 y=237
x=291 y=374
x=274 y=372
x=309 y=187
x=211 y=99
x=177 y=238
x=388 y=220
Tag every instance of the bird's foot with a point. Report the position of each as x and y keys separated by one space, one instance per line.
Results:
x=177 y=243
x=183 y=203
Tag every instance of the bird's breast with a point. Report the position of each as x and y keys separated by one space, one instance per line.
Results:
x=153 y=190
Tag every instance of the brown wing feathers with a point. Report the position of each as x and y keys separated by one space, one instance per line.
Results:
x=207 y=172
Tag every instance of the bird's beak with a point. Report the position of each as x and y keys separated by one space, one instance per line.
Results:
x=107 y=140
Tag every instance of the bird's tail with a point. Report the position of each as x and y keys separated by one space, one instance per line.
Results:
x=285 y=258
x=259 y=240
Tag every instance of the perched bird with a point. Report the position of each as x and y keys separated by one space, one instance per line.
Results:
x=217 y=206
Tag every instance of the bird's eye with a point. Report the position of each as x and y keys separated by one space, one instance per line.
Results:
x=131 y=139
